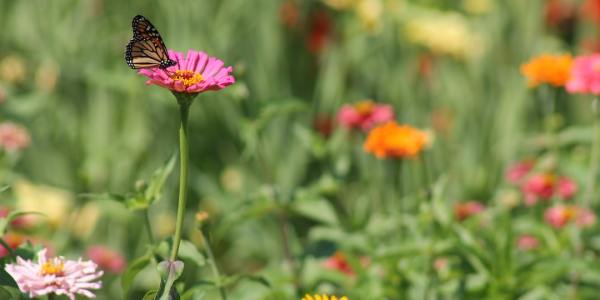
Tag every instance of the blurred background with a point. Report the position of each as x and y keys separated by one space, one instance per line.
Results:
x=284 y=186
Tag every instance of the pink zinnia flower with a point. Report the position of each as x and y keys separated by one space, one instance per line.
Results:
x=196 y=73
x=538 y=186
x=585 y=75
x=107 y=259
x=566 y=188
x=55 y=276
x=558 y=216
x=13 y=137
x=364 y=115
x=463 y=211
x=527 y=242
x=516 y=172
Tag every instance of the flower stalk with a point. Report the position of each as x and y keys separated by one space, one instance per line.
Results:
x=213 y=266
x=184 y=101
x=595 y=154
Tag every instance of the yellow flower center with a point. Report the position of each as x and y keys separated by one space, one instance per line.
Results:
x=56 y=267
x=364 y=108
x=187 y=77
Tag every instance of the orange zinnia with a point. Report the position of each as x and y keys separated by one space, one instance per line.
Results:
x=394 y=140
x=551 y=69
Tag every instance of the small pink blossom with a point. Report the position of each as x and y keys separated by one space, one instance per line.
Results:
x=107 y=259
x=566 y=188
x=538 y=186
x=196 y=73
x=440 y=263
x=585 y=75
x=558 y=216
x=516 y=172
x=339 y=262
x=364 y=115
x=527 y=242
x=585 y=218
x=465 y=210
x=13 y=137
x=55 y=276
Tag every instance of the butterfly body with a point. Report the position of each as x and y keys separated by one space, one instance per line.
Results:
x=146 y=48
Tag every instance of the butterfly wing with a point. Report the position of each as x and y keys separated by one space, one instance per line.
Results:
x=146 y=49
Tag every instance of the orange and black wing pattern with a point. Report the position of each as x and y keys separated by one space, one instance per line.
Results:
x=146 y=49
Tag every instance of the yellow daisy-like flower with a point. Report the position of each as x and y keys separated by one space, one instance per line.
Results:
x=323 y=297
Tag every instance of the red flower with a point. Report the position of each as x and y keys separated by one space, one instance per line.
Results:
x=519 y=170
x=339 y=262
x=319 y=31
x=465 y=210
x=107 y=259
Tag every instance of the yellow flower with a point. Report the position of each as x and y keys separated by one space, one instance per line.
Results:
x=323 y=297
x=85 y=220
x=444 y=33
x=12 y=69
x=396 y=141
x=52 y=202
x=478 y=7
x=551 y=69
x=369 y=12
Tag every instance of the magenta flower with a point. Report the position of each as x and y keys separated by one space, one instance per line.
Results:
x=527 y=242
x=107 y=259
x=516 y=172
x=55 y=276
x=585 y=218
x=364 y=115
x=538 y=186
x=566 y=188
x=585 y=75
x=196 y=73
x=13 y=137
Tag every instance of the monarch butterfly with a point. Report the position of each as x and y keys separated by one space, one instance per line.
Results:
x=146 y=48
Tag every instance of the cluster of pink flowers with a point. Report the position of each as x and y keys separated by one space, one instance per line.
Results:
x=540 y=186
x=56 y=275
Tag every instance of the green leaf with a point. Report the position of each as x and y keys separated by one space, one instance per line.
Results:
x=150 y=295
x=157 y=182
x=10 y=293
x=132 y=270
x=317 y=209
x=188 y=251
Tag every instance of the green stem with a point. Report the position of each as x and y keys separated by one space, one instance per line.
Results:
x=595 y=155
x=148 y=226
x=213 y=265
x=8 y=248
x=184 y=109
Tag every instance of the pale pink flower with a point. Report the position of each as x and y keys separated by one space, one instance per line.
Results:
x=516 y=172
x=558 y=216
x=566 y=188
x=13 y=137
x=440 y=263
x=107 y=259
x=585 y=218
x=364 y=115
x=465 y=210
x=585 y=75
x=527 y=242
x=196 y=73
x=55 y=276
x=339 y=262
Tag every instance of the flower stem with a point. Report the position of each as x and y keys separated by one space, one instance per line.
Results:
x=148 y=226
x=213 y=265
x=595 y=154
x=8 y=248
x=184 y=109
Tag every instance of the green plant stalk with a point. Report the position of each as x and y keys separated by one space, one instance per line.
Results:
x=148 y=226
x=594 y=156
x=8 y=248
x=213 y=266
x=184 y=110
